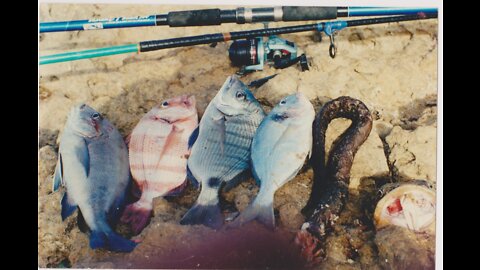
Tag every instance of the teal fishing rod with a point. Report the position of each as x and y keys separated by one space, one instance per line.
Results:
x=329 y=28
x=240 y=15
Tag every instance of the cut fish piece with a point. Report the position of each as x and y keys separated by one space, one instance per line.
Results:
x=409 y=206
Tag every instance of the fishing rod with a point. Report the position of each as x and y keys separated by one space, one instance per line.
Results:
x=329 y=28
x=240 y=15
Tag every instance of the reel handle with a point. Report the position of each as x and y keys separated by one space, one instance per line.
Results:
x=284 y=63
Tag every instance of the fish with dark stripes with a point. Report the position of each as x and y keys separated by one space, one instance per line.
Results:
x=221 y=148
x=158 y=152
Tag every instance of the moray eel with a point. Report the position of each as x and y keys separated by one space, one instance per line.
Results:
x=332 y=176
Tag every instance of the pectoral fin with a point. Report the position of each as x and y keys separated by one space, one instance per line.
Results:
x=221 y=128
x=83 y=157
x=58 y=177
x=193 y=138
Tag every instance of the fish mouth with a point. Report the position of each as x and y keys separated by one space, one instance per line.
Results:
x=89 y=135
x=166 y=120
x=220 y=104
x=163 y=119
x=219 y=108
x=95 y=133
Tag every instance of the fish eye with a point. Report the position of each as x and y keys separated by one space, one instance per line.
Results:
x=283 y=102
x=240 y=95
x=165 y=104
x=96 y=116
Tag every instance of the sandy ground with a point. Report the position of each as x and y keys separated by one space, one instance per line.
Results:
x=391 y=68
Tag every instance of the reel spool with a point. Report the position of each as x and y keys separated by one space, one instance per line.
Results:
x=252 y=54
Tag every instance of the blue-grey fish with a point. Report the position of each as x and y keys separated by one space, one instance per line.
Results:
x=93 y=167
x=279 y=149
x=221 y=151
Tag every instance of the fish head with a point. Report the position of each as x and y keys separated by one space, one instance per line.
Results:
x=175 y=109
x=409 y=206
x=234 y=98
x=293 y=106
x=85 y=121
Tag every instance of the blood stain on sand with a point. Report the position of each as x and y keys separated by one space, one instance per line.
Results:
x=251 y=246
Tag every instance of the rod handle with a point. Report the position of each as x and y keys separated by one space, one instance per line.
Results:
x=309 y=13
x=194 y=17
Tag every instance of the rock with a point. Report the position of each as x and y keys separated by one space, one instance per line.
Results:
x=242 y=200
x=396 y=246
x=290 y=216
x=56 y=243
x=419 y=112
x=47 y=137
x=413 y=153
x=163 y=209
x=47 y=160
x=290 y=199
x=160 y=205
x=336 y=248
x=58 y=105
x=242 y=194
x=370 y=158
x=382 y=128
x=282 y=85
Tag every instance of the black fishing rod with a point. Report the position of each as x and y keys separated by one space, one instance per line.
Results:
x=329 y=28
x=240 y=15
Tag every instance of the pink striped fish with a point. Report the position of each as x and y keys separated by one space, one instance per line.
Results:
x=158 y=152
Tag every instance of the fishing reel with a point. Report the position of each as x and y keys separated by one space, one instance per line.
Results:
x=252 y=54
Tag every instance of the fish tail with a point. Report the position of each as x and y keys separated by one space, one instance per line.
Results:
x=137 y=215
x=209 y=215
x=261 y=209
x=177 y=190
x=111 y=241
x=206 y=210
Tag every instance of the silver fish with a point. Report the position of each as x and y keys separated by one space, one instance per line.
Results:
x=279 y=149
x=221 y=152
x=93 y=166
